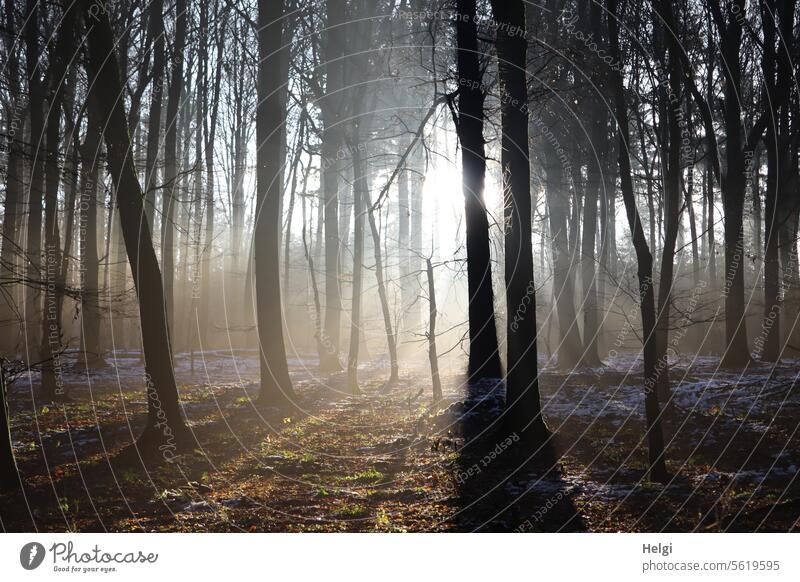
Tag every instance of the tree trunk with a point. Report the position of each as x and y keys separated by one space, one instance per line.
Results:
x=91 y=353
x=736 y=353
x=391 y=339
x=359 y=186
x=210 y=134
x=655 y=437
x=433 y=357
x=171 y=177
x=166 y=430
x=484 y=353
x=12 y=208
x=52 y=348
x=9 y=476
x=276 y=386
x=522 y=382
x=33 y=244
x=156 y=31
x=331 y=156
x=671 y=104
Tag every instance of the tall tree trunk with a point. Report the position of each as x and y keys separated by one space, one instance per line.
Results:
x=413 y=313
x=736 y=353
x=166 y=430
x=171 y=176
x=276 y=386
x=90 y=295
x=15 y=122
x=598 y=134
x=404 y=240
x=156 y=31
x=33 y=243
x=331 y=154
x=359 y=186
x=777 y=24
x=484 y=353
x=52 y=348
x=644 y=260
x=672 y=103
x=558 y=203
x=210 y=134
x=522 y=376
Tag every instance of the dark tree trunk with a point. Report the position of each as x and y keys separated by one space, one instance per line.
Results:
x=91 y=353
x=166 y=430
x=52 y=348
x=33 y=243
x=558 y=205
x=655 y=437
x=598 y=133
x=671 y=105
x=276 y=386
x=522 y=376
x=156 y=31
x=15 y=122
x=484 y=354
x=9 y=476
x=210 y=134
x=171 y=177
x=433 y=357
x=776 y=67
x=736 y=353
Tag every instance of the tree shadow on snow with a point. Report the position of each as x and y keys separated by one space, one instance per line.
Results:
x=506 y=483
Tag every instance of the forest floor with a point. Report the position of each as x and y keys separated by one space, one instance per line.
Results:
x=388 y=461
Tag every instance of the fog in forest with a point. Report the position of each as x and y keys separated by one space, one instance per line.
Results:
x=399 y=265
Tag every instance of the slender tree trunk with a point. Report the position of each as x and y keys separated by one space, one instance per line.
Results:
x=433 y=357
x=404 y=240
x=171 y=177
x=331 y=155
x=156 y=32
x=391 y=339
x=359 y=186
x=210 y=134
x=672 y=103
x=317 y=322
x=589 y=274
x=655 y=437
x=90 y=295
x=52 y=348
x=558 y=202
x=413 y=313
x=166 y=430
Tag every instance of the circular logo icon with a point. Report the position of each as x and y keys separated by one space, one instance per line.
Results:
x=31 y=555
